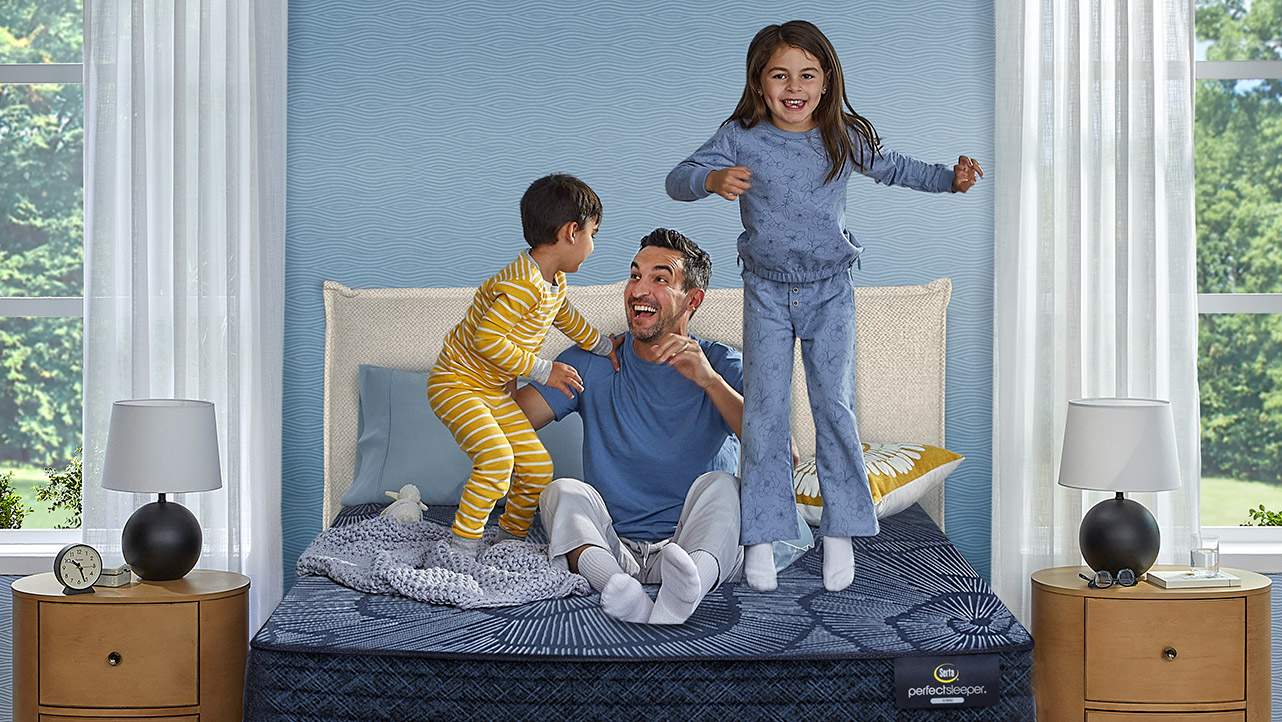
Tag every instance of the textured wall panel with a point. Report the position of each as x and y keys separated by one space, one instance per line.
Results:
x=414 y=127
x=6 y=648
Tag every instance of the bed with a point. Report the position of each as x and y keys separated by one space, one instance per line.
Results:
x=330 y=652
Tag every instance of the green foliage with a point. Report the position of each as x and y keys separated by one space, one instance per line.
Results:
x=41 y=233
x=1238 y=141
x=1264 y=517
x=63 y=491
x=12 y=510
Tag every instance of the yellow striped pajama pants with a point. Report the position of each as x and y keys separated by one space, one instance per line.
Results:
x=507 y=456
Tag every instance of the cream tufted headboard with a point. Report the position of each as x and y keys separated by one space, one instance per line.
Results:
x=899 y=358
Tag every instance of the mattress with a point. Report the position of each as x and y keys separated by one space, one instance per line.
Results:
x=800 y=652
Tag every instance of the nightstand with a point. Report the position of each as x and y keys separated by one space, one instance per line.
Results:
x=1149 y=654
x=151 y=650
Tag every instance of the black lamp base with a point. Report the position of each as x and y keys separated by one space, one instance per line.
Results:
x=161 y=541
x=1119 y=534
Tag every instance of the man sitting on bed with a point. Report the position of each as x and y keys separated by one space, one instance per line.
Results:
x=660 y=503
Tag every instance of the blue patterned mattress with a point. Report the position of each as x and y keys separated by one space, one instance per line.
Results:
x=329 y=652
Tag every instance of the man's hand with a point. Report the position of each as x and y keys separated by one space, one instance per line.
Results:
x=614 y=352
x=565 y=377
x=729 y=183
x=686 y=356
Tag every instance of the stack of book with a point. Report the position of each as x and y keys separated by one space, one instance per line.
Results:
x=1184 y=579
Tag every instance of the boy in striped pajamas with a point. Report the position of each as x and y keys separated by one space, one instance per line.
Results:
x=470 y=388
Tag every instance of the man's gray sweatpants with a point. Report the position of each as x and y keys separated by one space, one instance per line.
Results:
x=575 y=515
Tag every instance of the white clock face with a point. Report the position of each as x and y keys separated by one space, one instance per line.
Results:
x=78 y=566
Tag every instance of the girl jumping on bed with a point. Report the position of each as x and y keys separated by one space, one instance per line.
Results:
x=786 y=154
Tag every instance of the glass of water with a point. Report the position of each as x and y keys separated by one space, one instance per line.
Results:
x=1204 y=556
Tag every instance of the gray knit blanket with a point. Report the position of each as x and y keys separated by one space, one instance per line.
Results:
x=382 y=556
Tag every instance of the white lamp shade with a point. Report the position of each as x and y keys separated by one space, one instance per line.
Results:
x=1119 y=445
x=162 y=446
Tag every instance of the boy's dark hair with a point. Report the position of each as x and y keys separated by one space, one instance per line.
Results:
x=552 y=201
x=696 y=267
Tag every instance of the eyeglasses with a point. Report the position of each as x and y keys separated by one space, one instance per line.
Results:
x=1104 y=580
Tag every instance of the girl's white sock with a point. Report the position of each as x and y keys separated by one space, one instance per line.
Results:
x=839 y=563
x=759 y=567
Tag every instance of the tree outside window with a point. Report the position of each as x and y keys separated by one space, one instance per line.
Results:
x=1238 y=159
x=41 y=259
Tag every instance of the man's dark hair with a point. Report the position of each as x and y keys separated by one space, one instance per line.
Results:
x=696 y=267
x=552 y=201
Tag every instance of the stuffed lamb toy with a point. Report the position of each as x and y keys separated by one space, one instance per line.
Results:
x=408 y=506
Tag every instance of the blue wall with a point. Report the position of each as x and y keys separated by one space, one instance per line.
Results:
x=6 y=648
x=414 y=128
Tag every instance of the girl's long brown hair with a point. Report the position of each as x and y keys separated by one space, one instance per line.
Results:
x=833 y=115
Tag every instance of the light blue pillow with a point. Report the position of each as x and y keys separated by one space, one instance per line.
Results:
x=400 y=441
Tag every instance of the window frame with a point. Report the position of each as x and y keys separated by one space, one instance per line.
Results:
x=28 y=551
x=1255 y=548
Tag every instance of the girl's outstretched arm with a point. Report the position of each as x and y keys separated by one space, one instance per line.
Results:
x=689 y=180
x=964 y=174
x=729 y=183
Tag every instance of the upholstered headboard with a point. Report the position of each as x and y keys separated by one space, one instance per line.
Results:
x=899 y=358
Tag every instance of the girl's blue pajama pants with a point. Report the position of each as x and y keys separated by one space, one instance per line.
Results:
x=822 y=314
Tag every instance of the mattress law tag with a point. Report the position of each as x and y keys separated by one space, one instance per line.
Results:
x=963 y=680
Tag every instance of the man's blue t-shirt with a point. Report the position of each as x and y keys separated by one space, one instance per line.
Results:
x=648 y=433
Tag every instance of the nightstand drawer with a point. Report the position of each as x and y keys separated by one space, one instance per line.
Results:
x=60 y=718
x=1092 y=716
x=155 y=647
x=1127 y=643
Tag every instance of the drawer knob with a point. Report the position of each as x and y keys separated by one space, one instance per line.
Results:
x=1168 y=653
x=114 y=658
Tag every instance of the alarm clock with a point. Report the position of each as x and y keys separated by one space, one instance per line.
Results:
x=77 y=567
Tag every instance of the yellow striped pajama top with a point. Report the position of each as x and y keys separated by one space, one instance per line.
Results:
x=504 y=329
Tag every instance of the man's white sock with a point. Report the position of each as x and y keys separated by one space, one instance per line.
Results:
x=839 y=563
x=598 y=565
x=625 y=600
x=621 y=596
x=686 y=579
x=759 y=566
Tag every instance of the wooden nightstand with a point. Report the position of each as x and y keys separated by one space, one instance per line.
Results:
x=1148 y=654
x=151 y=650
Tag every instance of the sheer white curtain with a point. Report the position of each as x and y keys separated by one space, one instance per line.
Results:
x=184 y=255
x=1095 y=285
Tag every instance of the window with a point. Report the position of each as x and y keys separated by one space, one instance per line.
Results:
x=41 y=255
x=1238 y=160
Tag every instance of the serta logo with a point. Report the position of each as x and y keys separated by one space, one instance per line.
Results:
x=938 y=682
x=946 y=673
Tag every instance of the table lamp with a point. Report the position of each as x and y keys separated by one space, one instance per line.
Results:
x=1119 y=445
x=162 y=446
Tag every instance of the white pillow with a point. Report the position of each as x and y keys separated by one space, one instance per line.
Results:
x=898 y=475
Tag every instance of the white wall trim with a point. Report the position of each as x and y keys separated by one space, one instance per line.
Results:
x=1237 y=69
x=72 y=306
x=29 y=551
x=1239 y=303
x=32 y=73
x=1257 y=548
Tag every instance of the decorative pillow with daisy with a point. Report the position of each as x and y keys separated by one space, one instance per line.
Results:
x=898 y=474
